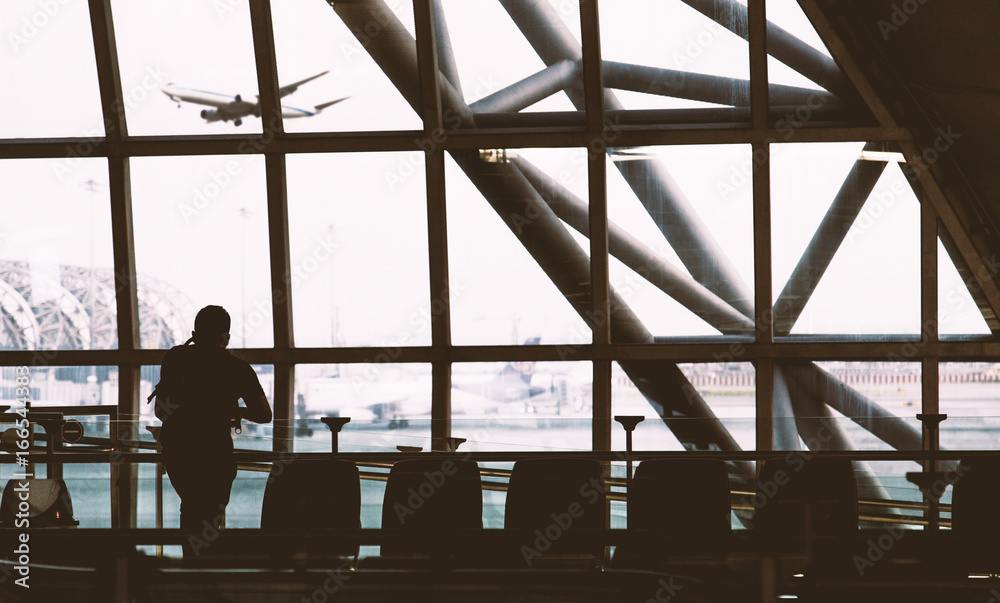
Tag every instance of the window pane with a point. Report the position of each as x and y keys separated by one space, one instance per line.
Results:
x=958 y=313
x=969 y=391
x=315 y=37
x=850 y=405
x=68 y=386
x=787 y=15
x=728 y=389
x=523 y=405
x=667 y=55
x=389 y=405
x=681 y=238
x=39 y=69
x=201 y=239
x=485 y=24
x=846 y=243
x=507 y=249
x=57 y=289
x=359 y=249
x=807 y=87
x=199 y=51
x=825 y=406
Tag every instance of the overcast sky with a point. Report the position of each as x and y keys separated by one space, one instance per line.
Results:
x=358 y=223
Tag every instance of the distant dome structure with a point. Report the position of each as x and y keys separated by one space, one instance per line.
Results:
x=73 y=308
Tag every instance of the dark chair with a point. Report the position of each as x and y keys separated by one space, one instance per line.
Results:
x=976 y=497
x=788 y=487
x=683 y=502
x=799 y=496
x=681 y=497
x=428 y=496
x=308 y=495
x=680 y=512
x=550 y=497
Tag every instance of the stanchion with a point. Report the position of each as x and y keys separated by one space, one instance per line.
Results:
x=336 y=424
x=628 y=422
x=926 y=480
x=160 y=472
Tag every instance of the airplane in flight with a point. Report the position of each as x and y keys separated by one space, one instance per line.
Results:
x=235 y=108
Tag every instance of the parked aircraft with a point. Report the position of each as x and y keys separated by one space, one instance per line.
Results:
x=235 y=108
x=366 y=393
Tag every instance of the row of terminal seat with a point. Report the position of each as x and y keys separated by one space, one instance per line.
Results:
x=680 y=509
x=679 y=498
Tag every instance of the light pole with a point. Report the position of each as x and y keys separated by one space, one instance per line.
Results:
x=245 y=215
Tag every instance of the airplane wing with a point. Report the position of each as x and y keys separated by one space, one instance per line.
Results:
x=286 y=90
x=333 y=102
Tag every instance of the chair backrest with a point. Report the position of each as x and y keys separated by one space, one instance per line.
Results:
x=975 y=497
x=788 y=485
x=552 y=496
x=307 y=495
x=681 y=497
x=425 y=496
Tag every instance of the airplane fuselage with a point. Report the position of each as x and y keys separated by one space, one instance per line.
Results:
x=235 y=108
x=226 y=107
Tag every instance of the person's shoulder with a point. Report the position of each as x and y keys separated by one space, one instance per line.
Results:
x=236 y=362
x=177 y=351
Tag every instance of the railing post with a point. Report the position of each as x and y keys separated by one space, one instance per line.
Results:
x=336 y=424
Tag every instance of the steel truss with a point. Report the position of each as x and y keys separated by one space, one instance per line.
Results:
x=711 y=288
x=74 y=308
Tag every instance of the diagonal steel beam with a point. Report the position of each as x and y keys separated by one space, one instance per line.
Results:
x=642 y=260
x=536 y=87
x=819 y=430
x=706 y=88
x=824 y=387
x=445 y=52
x=829 y=236
x=781 y=45
x=649 y=179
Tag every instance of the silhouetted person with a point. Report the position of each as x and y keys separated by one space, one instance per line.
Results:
x=197 y=399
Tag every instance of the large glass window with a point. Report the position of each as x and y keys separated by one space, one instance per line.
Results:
x=389 y=405
x=514 y=264
x=358 y=232
x=958 y=311
x=201 y=239
x=57 y=291
x=498 y=77
x=968 y=395
x=709 y=406
x=668 y=55
x=353 y=45
x=846 y=234
x=53 y=385
x=194 y=199
x=186 y=67
x=807 y=87
x=851 y=405
x=522 y=405
x=38 y=71
x=681 y=238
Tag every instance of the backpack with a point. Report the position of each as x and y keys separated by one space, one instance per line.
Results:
x=49 y=504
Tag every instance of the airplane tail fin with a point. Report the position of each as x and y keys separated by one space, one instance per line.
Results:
x=521 y=370
x=331 y=103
